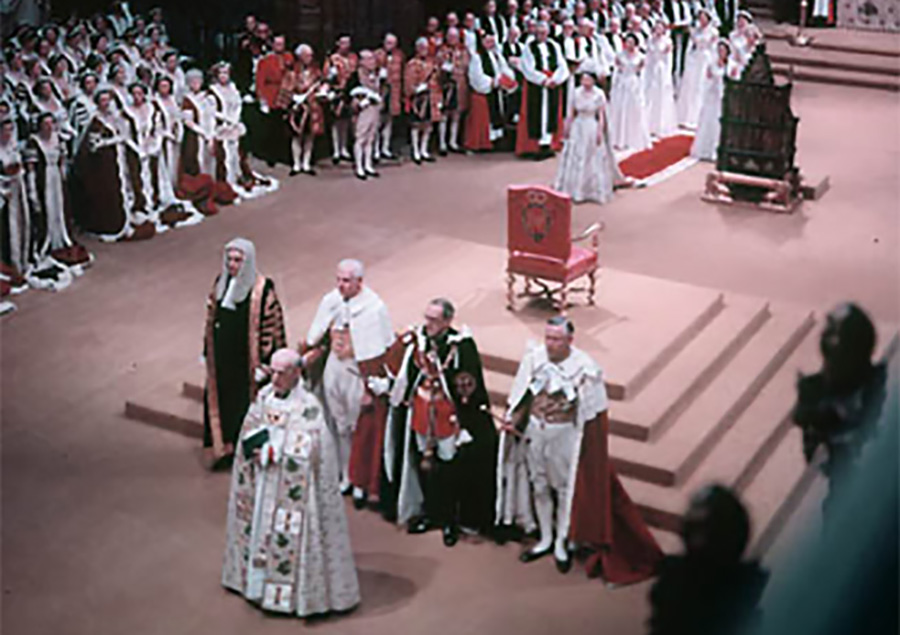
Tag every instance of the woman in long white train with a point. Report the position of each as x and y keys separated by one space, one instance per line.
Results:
x=58 y=257
x=701 y=53
x=17 y=251
x=706 y=142
x=659 y=88
x=231 y=164
x=627 y=107
x=587 y=168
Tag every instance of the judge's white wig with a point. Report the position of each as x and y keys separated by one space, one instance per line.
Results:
x=231 y=291
x=352 y=266
x=303 y=48
x=421 y=42
x=193 y=73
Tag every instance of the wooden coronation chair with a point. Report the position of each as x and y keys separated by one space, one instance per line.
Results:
x=542 y=249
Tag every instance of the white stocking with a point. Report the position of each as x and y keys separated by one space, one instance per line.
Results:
x=296 y=151
x=358 y=156
x=368 y=152
x=386 y=136
x=543 y=507
x=454 y=131
x=426 y=137
x=307 y=153
x=414 y=133
x=336 y=140
x=442 y=134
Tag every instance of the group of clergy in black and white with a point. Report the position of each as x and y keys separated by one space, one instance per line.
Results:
x=102 y=130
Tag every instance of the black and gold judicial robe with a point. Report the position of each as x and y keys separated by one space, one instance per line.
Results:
x=236 y=343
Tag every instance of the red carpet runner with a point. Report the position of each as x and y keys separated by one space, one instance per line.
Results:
x=664 y=153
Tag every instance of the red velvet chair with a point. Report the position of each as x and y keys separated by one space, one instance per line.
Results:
x=541 y=249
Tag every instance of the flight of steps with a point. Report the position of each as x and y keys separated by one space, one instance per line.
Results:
x=833 y=57
x=716 y=411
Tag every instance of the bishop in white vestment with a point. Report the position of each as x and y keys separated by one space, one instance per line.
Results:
x=288 y=546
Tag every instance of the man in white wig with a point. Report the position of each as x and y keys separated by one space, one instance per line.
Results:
x=244 y=326
x=287 y=543
x=353 y=329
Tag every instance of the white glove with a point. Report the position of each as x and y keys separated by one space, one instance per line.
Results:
x=383 y=73
x=421 y=88
x=364 y=104
x=378 y=385
x=264 y=108
x=463 y=437
x=260 y=374
x=447 y=66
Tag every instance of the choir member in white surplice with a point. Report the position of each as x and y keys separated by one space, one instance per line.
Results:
x=490 y=80
x=288 y=545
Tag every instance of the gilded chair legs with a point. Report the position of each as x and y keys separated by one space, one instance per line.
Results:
x=510 y=291
x=592 y=281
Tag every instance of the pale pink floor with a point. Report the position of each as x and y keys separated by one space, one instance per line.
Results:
x=112 y=527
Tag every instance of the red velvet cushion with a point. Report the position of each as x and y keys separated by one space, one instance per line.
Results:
x=581 y=262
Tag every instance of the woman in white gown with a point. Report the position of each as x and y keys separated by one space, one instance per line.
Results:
x=627 y=108
x=659 y=89
x=707 y=140
x=587 y=168
x=701 y=53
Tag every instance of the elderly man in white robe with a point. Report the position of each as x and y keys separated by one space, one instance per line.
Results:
x=352 y=327
x=288 y=545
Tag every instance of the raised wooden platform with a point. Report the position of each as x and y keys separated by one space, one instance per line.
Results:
x=703 y=381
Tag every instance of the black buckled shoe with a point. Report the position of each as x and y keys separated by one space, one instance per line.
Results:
x=451 y=535
x=563 y=566
x=530 y=555
x=418 y=526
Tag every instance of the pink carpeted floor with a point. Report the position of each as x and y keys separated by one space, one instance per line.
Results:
x=111 y=527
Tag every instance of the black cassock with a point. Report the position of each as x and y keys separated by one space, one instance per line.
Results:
x=232 y=359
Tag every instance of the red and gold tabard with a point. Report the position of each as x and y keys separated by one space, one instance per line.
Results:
x=393 y=62
x=419 y=71
x=433 y=413
x=344 y=65
x=310 y=116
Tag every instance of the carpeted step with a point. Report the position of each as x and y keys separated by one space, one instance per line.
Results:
x=165 y=408
x=839 y=77
x=673 y=457
x=669 y=394
x=777 y=490
x=781 y=52
x=498 y=387
x=743 y=450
